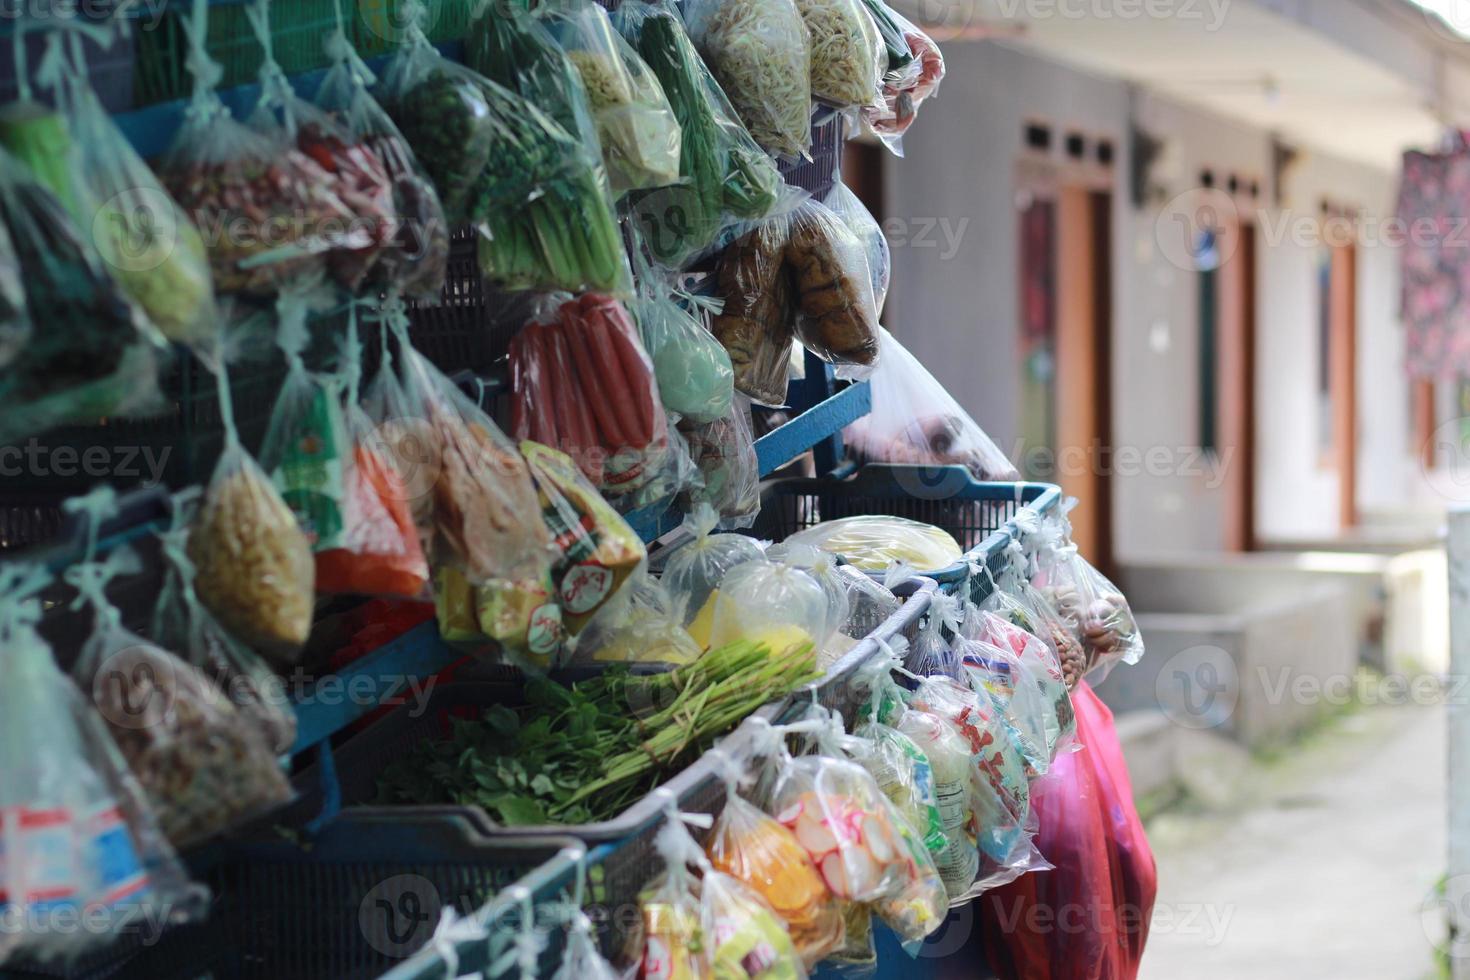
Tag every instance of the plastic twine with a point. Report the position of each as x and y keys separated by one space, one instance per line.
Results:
x=204 y=101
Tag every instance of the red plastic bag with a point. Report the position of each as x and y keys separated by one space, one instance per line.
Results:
x=1088 y=919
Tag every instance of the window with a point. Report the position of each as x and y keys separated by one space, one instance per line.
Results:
x=1207 y=260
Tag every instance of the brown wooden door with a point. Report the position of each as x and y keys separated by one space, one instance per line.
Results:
x=1342 y=319
x=1236 y=371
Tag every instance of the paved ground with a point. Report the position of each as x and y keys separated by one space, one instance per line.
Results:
x=1316 y=865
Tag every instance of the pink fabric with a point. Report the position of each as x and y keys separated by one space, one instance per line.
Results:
x=1087 y=919
x=1433 y=236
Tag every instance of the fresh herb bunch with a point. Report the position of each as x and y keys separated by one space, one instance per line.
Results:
x=584 y=753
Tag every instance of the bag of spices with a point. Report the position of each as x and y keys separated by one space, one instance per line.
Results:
x=484 y=504
x=270 y=215
x=725 y=177
x=764 y=854
x=729 y=470
x=636 y=127
x=583 y=383
x=87 y=843
x=415 y=258
x=760 y=53
x=253 y=564
x=180 y=622
x=695 y=569
x=146 y=240
x=203 y=766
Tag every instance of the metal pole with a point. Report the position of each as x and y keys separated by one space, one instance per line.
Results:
x=1457 y=898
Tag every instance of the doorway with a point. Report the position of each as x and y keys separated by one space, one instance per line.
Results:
x=1235 y=381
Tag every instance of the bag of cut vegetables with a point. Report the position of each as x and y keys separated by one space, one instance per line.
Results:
x=724 y=176
x=415 y=259
x=145 y=238
x=638 y=626
x=636 y=127
x=203 y=765
x=713 y=925
x=270 y=214
x=767 y=601
x=847 y=53
x=914 y=70
x=253 y=564
x=514 y=153
x=695 y=569
x=583 y=383
x=759 y=52
x=822 y=568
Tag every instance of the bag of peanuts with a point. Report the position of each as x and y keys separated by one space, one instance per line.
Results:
x=203 y=766
x=253 y=565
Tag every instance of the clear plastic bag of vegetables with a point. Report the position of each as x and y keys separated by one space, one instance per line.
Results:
x=915 y=69
x=146 y=240
x=582 y=382
x=536 y=193
x=1094 y=609
x=755 y=848
x=485 y=510
x=640 y=625
x=724 y=452
x=203 y=766
x=358 y=176
x=777 y=603
x=636 y=127
x=181 y=623
x=874 y=543
x=757 y=319
x=696 y=568
x=269 y=214
x=822 y=568
x=725 y=177
x=379 y=551
x=847 y=54
x=93 y=843
x=695 y=379
x=916 y=421
x=760 y=53
x=253 y=564
x=415 y=258
x=843 y=203
x=97 y=355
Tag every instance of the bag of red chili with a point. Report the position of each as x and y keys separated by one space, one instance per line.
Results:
x=358 y=175
x=584 y=384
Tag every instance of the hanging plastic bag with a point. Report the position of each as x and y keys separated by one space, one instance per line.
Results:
x=378 y=551
x=724 y=175
x=695 y=569
x=636 y=127
x=269 y=214
x=873 y=543
x=582 y=960
x=780 y=605
x=402 y=436
x=180 y=622
x=949 y=760
x=677 y=941
x=843 y=203
x=759 y=52
x=253 y=564
x=583 y=383
x=724 y=452
x=915 y=69
x=1089 y=829
x=1037 y=658
x=847 y=57
x=499 y=162
x=756 y=322
x=997 y=669
x=415 y=258
x=751 y=940
x=84 y=843
x=933 y=653
x=306 y=450
x=143 y=236
x=1019 y=603
x=903 y=772
x=1092 y=607
x=695 y=379
x=359 y=179
x=833 y=286
x=485 y=509
x=914 y=420
x=753 y=847
x=203 y=766
x=639 y=626
x=822 y=568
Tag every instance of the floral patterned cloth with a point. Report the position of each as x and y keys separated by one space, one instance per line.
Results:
x=1434 y=215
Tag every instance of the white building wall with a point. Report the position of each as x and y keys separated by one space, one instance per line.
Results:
x=957 y=308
